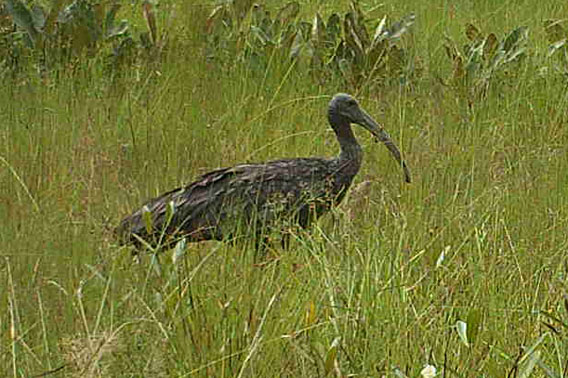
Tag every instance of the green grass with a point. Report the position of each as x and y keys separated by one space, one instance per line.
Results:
x=366 y=292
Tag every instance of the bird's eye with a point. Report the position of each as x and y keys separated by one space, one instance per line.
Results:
x=351 y=103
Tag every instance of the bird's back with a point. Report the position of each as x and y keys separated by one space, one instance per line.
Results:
x=248 y=195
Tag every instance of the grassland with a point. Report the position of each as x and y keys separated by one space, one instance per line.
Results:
x=376 y=289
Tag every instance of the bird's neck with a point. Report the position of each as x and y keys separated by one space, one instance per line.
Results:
x=350 y=149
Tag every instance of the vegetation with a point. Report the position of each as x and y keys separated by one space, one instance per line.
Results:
x=64 y=36
x=246 y=31
x=461 y=273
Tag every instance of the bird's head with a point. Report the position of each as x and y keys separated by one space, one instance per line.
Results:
x=347 y=108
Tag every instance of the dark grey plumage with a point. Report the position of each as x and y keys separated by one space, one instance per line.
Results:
x=255 y=199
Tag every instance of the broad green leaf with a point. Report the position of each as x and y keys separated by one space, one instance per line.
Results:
x=352 y=38
x=118 y=30
x=79 y=21
x=261 y=20
x=490 y=46
x=288 y=13
x=472 y=33
x=556 y=46
x=497 y=58
x=318 y=31
x=304 y=47
x=451 y=50
x=22 y=17
x=333 y=30
x=457 y=60
x=380 y=32
x=124 y=50
x=287 y=38
x=376 y=54
x=461 y=328
x=260 y=35
x=179 y=251
x=515 y=54
x=90 y=20
x=515 y=38
x=38 y=16
x=306 y=29
x=297 y=45
x=345 y=68
x=401 y=27
x=284 y=18
x=459 y=71
x=69 y=12
x=358 y=24
x=473 y=65
x=265 y=23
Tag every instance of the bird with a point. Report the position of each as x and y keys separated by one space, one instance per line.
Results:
x=255 y=200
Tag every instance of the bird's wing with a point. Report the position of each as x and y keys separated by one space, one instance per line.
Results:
x=275 y=189
x=184 y=200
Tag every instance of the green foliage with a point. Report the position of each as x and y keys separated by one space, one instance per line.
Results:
x=481 y=60
x=371 y=60
x=558 y=48
x=239 y=31
x=60 y=36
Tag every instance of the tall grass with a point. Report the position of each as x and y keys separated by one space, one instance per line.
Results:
x=376 y=288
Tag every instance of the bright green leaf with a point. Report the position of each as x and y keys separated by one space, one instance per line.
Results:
x=461 y=328
x=179 y=251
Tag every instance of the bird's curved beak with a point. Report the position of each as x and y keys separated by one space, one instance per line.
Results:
x=379 y=132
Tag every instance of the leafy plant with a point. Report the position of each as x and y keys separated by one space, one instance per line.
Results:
x=246 y=31
x=61 y=35
x=558 y=48
x=337 y=47
x=364 y=59
x=476 y=65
